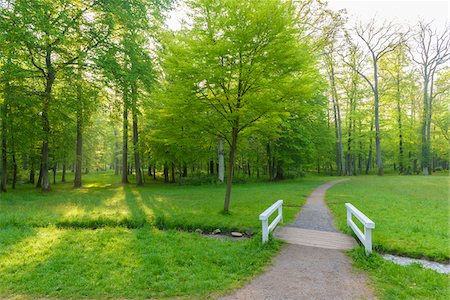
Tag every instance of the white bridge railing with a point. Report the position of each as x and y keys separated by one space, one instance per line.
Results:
x=264 y=217
x=366 y=237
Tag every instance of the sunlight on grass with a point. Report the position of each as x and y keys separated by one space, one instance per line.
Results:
x=149 y=213
x=72 y=211
x=34 y=249
x=124 y=263
x=96 y=185
x=410 y=212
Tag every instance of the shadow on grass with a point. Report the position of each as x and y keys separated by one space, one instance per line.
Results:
x=122 y=263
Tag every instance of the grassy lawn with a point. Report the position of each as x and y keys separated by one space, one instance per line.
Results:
x=123 y=263
x=101 y=203
x=402 y=282
x=411 y=215
x=49 y=248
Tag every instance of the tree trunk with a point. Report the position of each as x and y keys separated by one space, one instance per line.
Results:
x=14 y=163
x=54 y=174
x=211 y=167
x=39 y=181
x=230 y=169
x=400 y=129
x=280 y=172
x=4 y=114
x=185 y=170
x=369 y=156
x=79 y=147
x=166 y=173
x=269 y=162
x=63 y=176
x=134 y=111
x=425 y=148
x=125 y=138
x=32 y=173
x=221 y=160
x=377 y=121
x=340 y=161
x=172 y=168
x=45 y=121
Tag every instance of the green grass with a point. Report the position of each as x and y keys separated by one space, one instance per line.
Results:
x=101 y=204
x=105 y=240
x=123 y=263
x=411 y=213
x=401 y=282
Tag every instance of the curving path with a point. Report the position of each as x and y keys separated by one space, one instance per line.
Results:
x=311 y=265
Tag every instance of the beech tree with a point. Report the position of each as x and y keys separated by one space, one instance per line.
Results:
x=240 y=63
x=50 y=33
x=431 y=51
x=378 y=40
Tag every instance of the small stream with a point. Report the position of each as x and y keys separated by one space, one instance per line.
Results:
x=404 y=261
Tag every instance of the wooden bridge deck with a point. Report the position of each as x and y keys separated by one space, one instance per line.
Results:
x=315 y=238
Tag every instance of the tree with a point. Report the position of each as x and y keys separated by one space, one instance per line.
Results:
x=50 y=33
x=378 y=40
x=240 y=63
x=432 y=50
x=129 y=64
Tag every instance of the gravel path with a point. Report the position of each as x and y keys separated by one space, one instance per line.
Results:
x=315 y=213
x=304 y=272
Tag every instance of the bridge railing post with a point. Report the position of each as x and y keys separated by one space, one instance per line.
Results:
x=264 y=217
x=366 y=237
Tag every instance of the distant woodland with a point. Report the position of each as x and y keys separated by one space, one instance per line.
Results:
x=284 y=87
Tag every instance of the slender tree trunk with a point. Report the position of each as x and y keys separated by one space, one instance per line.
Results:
x=54 y=174
x=32 y=172
x=211 y=167
x=369 y=156
x=45 y=121
x=269 y=162
x=400 y=129
x=166 y=173
x=230 y=170
x=125 y=138
x=429 y=116
x=349 y=136
x=79 y=147
x=340 y=161
x=425 y=148
x=116 y=151
x=172 y=171
x=185 y=170
x=221 y=171
x=137 y=159
x=377 y=120
x=4 y=162
x=280 y=171
x=14 y=164
x=63 y=176
x=39 y=181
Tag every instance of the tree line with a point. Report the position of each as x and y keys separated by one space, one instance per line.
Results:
x=280 y=87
